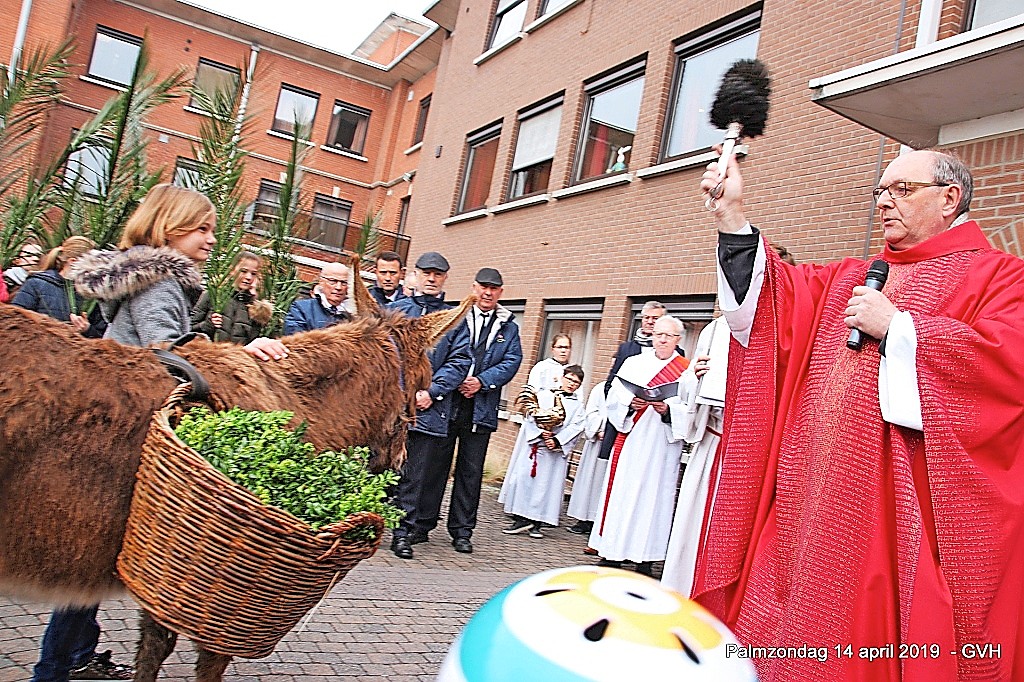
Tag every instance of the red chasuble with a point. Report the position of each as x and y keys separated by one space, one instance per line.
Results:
x=833 y=528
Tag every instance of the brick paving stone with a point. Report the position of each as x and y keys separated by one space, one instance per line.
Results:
x=389 y=620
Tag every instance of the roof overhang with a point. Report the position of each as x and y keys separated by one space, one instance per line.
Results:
x=417 y=60
x=963 y=88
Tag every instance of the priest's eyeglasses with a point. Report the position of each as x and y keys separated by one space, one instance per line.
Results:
x=900 y=189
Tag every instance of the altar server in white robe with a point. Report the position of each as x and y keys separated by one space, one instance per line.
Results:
x=534 y=484
x=635 y=515
x=697 y=419
x=590 y=472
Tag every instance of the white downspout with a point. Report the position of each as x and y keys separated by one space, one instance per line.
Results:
x=19 y=36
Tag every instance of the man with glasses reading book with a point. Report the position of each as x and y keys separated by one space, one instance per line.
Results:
x=635 y=516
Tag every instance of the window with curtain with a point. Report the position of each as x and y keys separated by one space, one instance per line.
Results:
x=213 y=77
x=348 y=127
x=701 y=60
x=186 y=173
x=330 y=220
x=481 y=152
x=296 y=109
x=114 y=55
x=535 y=148
x=613 y=109
x=509 y=16
x=87 y=169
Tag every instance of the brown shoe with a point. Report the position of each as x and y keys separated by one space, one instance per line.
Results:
x=590 y=551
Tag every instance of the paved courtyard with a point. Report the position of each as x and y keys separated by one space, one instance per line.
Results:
x=388 y=620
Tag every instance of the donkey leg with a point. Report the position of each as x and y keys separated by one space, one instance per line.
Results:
x=210 y=666
x=155 y=644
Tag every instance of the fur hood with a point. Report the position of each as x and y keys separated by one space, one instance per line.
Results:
x=116 y=275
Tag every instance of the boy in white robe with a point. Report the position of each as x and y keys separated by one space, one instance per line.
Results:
x=533 y=488
x=590 y=472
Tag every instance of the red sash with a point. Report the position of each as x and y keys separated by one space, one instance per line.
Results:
x=670 y=372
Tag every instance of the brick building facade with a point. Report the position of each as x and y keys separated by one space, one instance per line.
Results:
x=534 y=98
x=364 y=108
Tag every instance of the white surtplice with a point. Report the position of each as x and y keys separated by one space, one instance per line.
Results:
x=590 y=472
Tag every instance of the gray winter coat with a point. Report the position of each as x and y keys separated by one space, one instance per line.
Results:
x=145 y=293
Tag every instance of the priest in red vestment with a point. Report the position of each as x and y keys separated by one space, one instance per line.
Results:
x=870 y=502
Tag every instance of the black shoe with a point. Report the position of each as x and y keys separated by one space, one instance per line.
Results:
x=401 y=547
x=518 y=526
x=609 y=563
x=462 y=545
x=417 y=537
x=645 y=568
x=100 y=667
x=581 y=527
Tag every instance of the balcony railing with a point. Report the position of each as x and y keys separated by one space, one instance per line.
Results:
x=331 y=234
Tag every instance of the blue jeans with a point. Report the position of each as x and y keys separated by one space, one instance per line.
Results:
x=69 y=642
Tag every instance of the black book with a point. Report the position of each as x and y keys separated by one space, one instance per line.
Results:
x=652 y=394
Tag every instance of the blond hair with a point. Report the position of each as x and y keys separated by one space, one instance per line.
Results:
x=166 y=211
x=72 y=247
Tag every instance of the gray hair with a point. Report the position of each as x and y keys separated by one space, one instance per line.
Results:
x=677 y=325
x=651 y=305
x=950 y=169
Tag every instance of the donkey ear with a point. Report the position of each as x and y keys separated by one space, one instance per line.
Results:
x=366 y=305
x=435 y=325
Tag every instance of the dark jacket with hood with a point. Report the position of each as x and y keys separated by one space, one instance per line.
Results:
x=46 y=293
x=146 y=294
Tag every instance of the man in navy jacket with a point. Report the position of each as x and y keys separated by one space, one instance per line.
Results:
x=450 y=361
x=497 y=354
x=325 y=307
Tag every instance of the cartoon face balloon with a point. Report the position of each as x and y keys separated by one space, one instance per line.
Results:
x=590 y=624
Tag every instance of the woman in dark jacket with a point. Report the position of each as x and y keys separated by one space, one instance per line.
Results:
x=51 y=292
x=243 y=316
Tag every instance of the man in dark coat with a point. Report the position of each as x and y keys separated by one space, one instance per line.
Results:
x=497 y=354
x=389 y=271
x=450 y=361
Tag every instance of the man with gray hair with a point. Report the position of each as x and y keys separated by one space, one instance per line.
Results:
x=879 y=481
x=325 y=307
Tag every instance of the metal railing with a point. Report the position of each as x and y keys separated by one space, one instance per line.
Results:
x=329 y=233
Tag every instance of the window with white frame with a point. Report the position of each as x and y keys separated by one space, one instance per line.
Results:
x=114 y=56
x=985 y=12
x=481 y=152
x=186 y=173
x=87 y=169
x=296 y=109
x=213 y=77
x=695 y=312
x=610 y=122
x=348 y=127
x=535 y=148
x=581 y=321
x=509 y=16
x=701 y=60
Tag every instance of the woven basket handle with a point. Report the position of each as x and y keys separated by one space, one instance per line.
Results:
x=352 y=522
x=176 y=396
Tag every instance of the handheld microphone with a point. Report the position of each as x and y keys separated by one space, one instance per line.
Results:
x=875 y=279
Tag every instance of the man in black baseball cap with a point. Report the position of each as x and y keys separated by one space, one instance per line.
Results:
x=497 y=354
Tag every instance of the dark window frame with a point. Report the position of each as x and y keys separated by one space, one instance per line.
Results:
x=295 y=89
x=421 y=119
x=523 y=116
x=203 y=61
x=738 y=25
x=184 y=166
x=501 y=9
x=609 y=80
x=116 y=35
x=332 y=131
x=474 y=141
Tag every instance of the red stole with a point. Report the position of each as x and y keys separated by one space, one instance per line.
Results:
x=832 y=526
x=670 y=372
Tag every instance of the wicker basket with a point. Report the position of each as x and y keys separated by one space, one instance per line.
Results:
x=208 y=560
